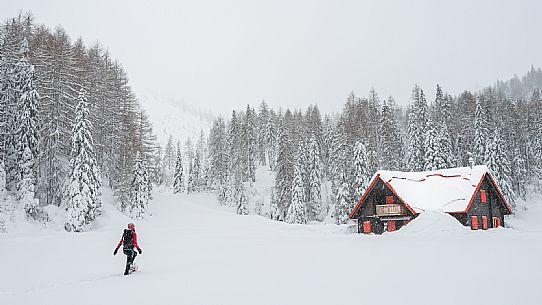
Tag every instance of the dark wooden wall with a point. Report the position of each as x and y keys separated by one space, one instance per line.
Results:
x=367 y=211
x=494 y=207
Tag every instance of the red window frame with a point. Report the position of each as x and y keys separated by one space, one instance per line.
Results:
x=367 y=227
x=391 y=226
x=483 y=196
x=484 y=222
x=474 y=222
x=389 y=199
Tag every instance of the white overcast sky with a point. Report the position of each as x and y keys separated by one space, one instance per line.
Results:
x=225 y=54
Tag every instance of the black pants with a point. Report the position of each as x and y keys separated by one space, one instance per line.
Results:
x=130 y=257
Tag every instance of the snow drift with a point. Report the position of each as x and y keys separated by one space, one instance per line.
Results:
x=196 y=252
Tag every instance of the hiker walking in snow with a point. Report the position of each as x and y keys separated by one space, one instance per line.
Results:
x=128 y=242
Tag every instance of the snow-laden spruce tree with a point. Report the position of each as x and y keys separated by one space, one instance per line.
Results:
x=481 y=134
x=441 y=120
x=147 y=179
x=315 y=205
x=534 y=145
x=390 y=145
x=370 y=135
x=362 y=176
x=262 y=119
x=327 y=145
x=139 y=189
x=84 y=197
x=498 y=163
x=284 y=176
x=271 y=136
x=178 y=180
x=417 y=130
x=27 y=134
x=240 y=198
x=297 y=211
x=193 y=174
x=437 y=107
x=224 y=191
x=190 y=181
x=446 y=147
x=204 y=178
x=340 y=155
x=519 y=171
x=434 y=158
x=168 y=162
x=2 y=177
x=250 y=144
x=231 y=166
x=343 y=202
x=218 y=154
x=303 y=156
x=9 y=99
x=197 y=170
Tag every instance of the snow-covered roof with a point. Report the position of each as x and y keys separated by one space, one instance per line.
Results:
x=446 y=190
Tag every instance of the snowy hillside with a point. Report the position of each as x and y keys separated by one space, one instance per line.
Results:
x=195 y=252
x=171 y=116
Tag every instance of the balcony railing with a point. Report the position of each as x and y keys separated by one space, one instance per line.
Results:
x=390 y=210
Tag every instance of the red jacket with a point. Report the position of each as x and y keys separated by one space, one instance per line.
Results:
x=134 y=234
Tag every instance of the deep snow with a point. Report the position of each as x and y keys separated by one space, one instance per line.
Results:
x=195 y=252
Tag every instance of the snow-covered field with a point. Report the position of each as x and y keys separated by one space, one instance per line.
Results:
x=195 y=252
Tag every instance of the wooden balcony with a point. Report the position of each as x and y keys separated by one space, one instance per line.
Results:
x=383 y=210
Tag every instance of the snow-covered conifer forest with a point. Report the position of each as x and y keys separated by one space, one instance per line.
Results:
x=70 y=122
x=333 y=156
x=255 y=203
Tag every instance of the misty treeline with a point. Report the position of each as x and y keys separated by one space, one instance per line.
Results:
x=68 y=121
x=184 y=167
x=500 y=126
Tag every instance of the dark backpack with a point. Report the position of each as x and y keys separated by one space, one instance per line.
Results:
x=127 y=239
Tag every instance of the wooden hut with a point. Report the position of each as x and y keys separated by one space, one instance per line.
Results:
x=395 y=198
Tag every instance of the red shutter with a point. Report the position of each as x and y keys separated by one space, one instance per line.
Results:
x=474 y=222
x=389 y=199
x=391 y=225
x=483 y=197
x=496 y=222
x=484 y=222
x=367 y=227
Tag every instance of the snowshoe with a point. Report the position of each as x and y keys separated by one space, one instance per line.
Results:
x=130 y=269
x=133 y=269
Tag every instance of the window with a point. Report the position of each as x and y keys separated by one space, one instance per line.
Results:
x=389 y=199
x=483 y=196
x=484 y=222
x=474 y=222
